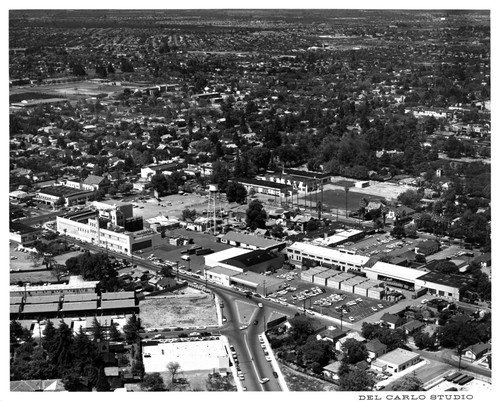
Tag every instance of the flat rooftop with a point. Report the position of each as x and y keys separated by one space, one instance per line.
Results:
x=451 y=280
x=191 y=355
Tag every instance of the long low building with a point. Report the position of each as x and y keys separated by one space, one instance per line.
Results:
x=248 y=241
x=209 y=355
x=324 y=256
x=394 y=275
x=396 y=361
x=246 y=280
x=443 y=285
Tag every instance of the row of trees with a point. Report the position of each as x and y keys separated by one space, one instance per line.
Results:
x=76 y=358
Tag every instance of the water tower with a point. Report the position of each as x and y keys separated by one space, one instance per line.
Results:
x=211 y=210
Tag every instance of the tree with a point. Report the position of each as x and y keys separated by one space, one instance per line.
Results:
x=312 y=225
x=355 y=351
x=59 y=202
x=114 y=334
x=398 y=231
x=153 y=382
x=189 y=214
x=236 y=192
x=411 y=230
x=102 y=382
x=126 y=66
x=410 y=198
x=137 y=368
x=216 y=382
x=277 y=231
x=131 y=329
x=408 y=383
x=174 y=368
x=97 y=330
x=61 y=355
x=423 y=340
x=445 y=266
x=256 y=215
x=419 y=258
x=35 y=258
x=355 y=380
x=301 y=329
x=164 y=185
x=316 y=351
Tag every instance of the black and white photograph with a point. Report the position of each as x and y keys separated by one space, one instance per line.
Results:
x=253 y=197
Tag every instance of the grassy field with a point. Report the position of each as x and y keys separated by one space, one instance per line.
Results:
x=194 y=308
x=335 y=198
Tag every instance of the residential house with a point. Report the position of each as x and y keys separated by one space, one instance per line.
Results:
x=375 y=348
x=332 y=370
x=392 y=321
x=476 y=351
x=427 y=247
x=412 y=326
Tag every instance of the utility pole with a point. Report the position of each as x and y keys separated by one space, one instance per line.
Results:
x=346 y=188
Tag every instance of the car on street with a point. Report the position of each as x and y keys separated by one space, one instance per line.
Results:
x=243 y=327
x=424 y=301
x=260 y=305
x=275 y=374
x=263 y=380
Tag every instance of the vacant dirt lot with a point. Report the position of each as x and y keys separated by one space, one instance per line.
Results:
x=193 y=308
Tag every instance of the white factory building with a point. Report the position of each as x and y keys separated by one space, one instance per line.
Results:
x=325 y=256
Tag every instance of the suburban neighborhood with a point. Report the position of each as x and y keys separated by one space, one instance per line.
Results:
x=236 y=200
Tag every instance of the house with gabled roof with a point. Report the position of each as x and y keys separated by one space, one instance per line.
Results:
x=375 y=348
x=392 y=321
x=476 y=351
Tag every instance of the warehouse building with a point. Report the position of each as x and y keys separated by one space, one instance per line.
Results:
x=363 y=288
x=257 y=283
x=350 y=284
x=394 y=275
x=322 y=278
x=308 y=275
x=22 y=233
x=443 y=285
x=336 y=281
x=248 y=241
x=324 y=256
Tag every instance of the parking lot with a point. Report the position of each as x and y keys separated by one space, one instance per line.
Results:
x=326 y=301
x=379 y=244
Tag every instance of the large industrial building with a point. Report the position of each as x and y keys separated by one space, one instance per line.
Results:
x=324 y=256
x=394 y=275
x=248 y=241
x=439 y=284
x=244 y=268
x=111 y=226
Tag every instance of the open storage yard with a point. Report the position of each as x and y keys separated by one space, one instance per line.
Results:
x=185 y=308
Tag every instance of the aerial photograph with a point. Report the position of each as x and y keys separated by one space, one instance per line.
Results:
x=247 y=199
